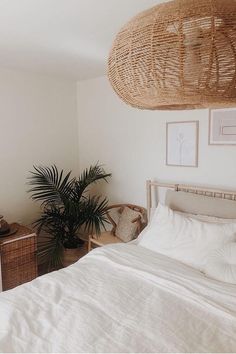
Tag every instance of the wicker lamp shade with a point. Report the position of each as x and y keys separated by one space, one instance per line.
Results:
x=177 y=55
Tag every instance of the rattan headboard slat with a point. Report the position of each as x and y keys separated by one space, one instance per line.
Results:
x=200 y=190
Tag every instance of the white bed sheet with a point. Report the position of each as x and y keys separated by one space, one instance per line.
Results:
x=120 y=298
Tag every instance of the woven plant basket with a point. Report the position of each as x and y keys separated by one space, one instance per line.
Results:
x=177 y=55
x=70 y=256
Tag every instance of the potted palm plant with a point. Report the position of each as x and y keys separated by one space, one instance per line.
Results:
x=66 y=207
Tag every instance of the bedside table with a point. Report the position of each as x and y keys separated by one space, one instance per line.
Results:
x=105 y=238
x=18 y=254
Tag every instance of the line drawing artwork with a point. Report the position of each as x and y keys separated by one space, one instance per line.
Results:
x=222 y=126
x=182 y=144
x=181 y=141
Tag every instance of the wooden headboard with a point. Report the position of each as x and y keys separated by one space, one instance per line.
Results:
x=153 y=186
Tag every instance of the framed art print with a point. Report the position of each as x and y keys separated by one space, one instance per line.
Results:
x=222 y=126
x=182 y=144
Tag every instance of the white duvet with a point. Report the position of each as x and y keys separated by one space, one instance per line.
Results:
x=121 y=298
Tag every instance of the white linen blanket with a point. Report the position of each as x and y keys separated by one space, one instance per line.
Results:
x=121 y=298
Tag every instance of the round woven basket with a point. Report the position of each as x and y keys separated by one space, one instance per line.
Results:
x=177 y=55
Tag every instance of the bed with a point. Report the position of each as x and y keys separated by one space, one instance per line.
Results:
x=121 y=298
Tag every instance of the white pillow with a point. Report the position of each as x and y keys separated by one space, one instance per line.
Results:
x=221 y=264
x=206 y=218
x=185 y=239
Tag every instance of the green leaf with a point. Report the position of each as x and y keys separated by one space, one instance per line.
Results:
x=89 y=176
x=94 y=213
x=49 y=186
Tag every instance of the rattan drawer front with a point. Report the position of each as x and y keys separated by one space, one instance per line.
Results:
x=18 y=262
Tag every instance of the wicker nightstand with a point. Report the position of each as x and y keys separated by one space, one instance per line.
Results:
x=18 y=257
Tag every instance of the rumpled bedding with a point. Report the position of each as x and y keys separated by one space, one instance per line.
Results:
x=120 y=298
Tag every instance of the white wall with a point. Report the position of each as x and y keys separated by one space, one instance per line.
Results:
x=132 y=143
x=38 y=125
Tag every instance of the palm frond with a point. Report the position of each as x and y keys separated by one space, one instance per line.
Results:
x=50 y=252
x=94 y=213
x=89 y=176
x=50 y=186
x=50 y=219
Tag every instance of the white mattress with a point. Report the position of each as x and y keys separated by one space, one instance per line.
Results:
x=120 y=298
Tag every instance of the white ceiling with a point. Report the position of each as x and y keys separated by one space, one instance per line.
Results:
x=67 y=38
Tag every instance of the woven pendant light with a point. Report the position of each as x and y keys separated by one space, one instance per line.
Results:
x=177 y=55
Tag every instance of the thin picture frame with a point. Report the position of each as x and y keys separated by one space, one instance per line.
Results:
x=196 y=143
x=210 y=127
